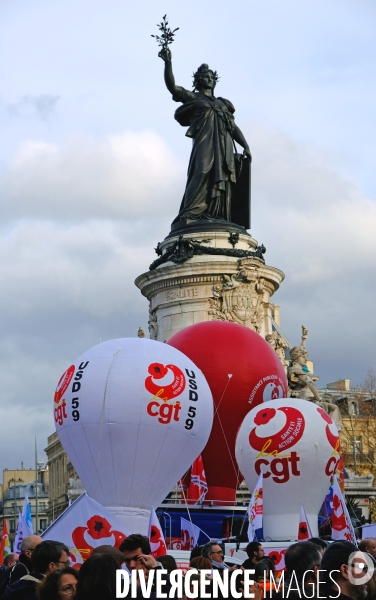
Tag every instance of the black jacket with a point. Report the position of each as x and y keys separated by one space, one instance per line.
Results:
x=24 y=588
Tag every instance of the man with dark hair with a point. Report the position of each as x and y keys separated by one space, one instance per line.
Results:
x=137 y=553
x=302 y=562
x=319 y=542
x=368 y=545
x=255 y=554
x=46 y=557
x=345 y=571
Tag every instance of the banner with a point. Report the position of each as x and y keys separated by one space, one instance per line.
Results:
x=22 y=532
x=83 y=526
x=254 y=513
x=198 y=486
x=304 y=531
x=26 y=513
x=156 y=537
x=342 y=528
x=189 y=534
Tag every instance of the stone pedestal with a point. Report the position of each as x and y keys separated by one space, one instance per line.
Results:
x=209 y=286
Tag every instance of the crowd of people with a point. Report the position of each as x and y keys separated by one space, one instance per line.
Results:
x=314 y=569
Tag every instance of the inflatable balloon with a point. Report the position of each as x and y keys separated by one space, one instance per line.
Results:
x=296 y=446
x=242 y=370
x=132 y=414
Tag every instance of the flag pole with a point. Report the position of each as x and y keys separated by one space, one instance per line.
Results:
x=36 y=488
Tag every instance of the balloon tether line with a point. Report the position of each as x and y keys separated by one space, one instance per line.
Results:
x=236 y=470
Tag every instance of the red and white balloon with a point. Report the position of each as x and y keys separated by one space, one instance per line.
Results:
x=295 y=444
x=132 y=414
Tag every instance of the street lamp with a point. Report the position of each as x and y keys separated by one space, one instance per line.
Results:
x=38 y=466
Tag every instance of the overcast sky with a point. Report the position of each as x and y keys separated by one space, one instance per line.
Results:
x=93 y=166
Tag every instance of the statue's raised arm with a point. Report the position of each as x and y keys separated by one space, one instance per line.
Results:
x=165 y=54
x=213 y=172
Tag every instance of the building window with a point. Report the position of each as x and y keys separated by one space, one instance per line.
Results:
x=357 y=444
x=43 y=524
x=353 y=408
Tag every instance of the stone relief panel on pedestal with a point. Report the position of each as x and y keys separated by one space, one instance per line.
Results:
x=153 y=323
x=239 y=298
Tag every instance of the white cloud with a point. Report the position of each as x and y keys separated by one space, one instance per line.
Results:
x=129 y=175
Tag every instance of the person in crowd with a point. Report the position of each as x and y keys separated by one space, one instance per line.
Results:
x=6 y=570
x=270 y=562
x=201 y=562
x=11 y=559
x=24 y=566
x=214 y=552
x=58 y=585
x=255 y=553
x=97 y=578
x=168 y=562
x=137 y=553
x=111 y=551
x=195 y=552
x=368 y=545
x=137 y=556
x=344 y=570
x=319 y=542
x=302 y=561
x=46 y=557
x=262 y=577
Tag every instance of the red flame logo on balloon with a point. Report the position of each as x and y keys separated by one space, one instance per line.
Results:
x=288 y=436
x=333 y=439
x=165 y=392
x=64 y=381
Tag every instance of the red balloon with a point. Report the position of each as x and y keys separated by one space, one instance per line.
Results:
x=242 y=371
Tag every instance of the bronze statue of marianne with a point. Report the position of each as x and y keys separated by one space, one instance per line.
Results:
x=212 y=171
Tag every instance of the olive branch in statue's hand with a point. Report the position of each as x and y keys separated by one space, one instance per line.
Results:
x=165 y=39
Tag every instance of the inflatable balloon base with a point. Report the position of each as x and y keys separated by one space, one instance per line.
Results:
x=136 y=520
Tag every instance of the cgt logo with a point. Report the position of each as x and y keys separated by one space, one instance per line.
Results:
x=164 y=411
x=279 y=467
x=163 y=389
x=60 y=412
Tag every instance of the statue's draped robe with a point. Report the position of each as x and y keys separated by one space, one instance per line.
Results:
x=211 y=169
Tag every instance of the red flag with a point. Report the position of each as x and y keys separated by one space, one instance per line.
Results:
x=4 y=546
x=304 y=532
x=156 y=537
x=198 y=487
x=342 y=527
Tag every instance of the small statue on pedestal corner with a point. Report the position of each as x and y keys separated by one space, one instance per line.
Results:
x=140 y=333
x=301 y=384
x=279 y=345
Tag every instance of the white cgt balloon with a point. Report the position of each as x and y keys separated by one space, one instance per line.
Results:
x=295 y=444
x=132 y=415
